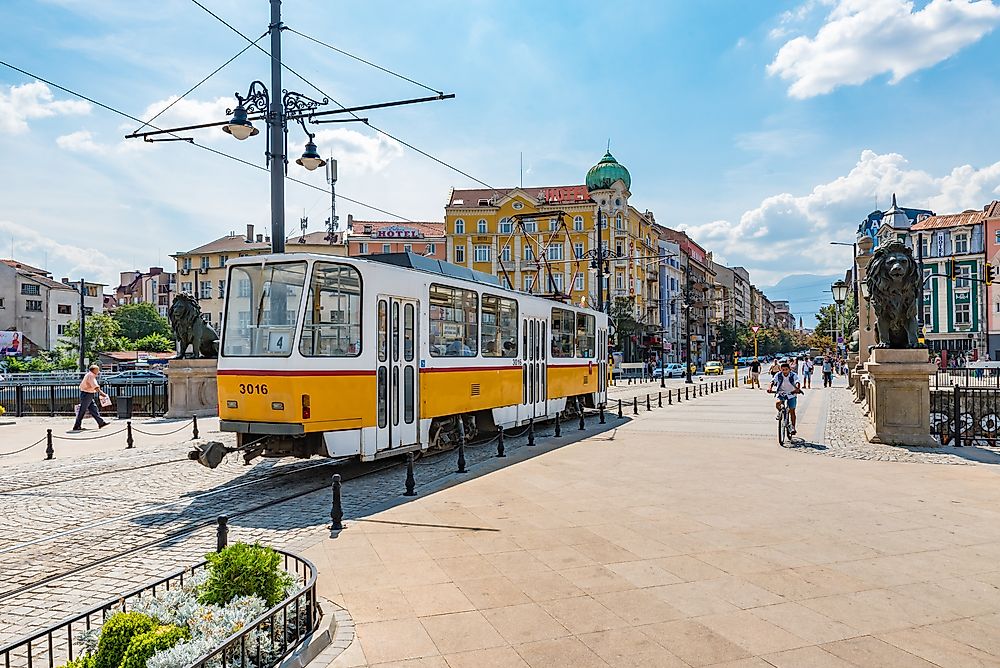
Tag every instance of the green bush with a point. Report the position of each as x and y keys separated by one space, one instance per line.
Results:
x=244 y=570
x=116 y=634
x=85 y=661
x=147 y=644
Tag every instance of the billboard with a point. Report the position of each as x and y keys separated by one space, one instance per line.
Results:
x=11 y=343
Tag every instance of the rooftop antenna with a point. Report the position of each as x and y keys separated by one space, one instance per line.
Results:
x=303 y=224
x=331 y=178
x=609 y=144
x=521 y=180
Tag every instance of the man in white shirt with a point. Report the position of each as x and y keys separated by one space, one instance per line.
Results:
x=786 y=382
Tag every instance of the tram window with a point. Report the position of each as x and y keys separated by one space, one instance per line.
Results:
x=408 y=331
x=408 y=394
x=453 y=320
x=262 y=308
x=332 y=326
x=395 y=331
x=563 y=333
x=586 y=326
x=383 y=330
x=382 y=396
x=499 y=326
x=395 y=396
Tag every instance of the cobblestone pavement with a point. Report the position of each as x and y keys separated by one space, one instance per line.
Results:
x=844 y=436
x=65 y=517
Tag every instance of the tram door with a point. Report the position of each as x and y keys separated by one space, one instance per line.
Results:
x=396 y=376
x=534 y=347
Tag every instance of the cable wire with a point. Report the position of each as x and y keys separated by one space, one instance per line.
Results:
x=193 y=142
x=7 y=454
x=339 y=104
x=362 y=60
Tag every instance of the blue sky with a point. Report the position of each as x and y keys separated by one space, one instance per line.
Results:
x=766 y=129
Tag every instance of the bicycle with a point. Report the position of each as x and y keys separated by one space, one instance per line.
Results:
x=784 y=420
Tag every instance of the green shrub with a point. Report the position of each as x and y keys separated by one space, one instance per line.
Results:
x=84 y=661
x=116 y=634
x=147 y=644
x=244 y=570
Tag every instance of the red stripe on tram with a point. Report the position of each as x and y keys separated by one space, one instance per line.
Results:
x=302 y=372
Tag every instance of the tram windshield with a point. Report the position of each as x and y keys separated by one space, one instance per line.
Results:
x=262 y=309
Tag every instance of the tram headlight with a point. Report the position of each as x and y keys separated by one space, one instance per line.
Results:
x=306 y=412
x=277 y=406
x=231 y=404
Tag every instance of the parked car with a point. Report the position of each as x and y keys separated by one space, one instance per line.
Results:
x=713 y=368
x=136 y=377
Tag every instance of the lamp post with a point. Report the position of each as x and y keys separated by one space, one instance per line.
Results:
x=839 y=289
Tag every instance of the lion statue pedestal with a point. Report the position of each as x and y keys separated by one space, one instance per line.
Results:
x=192 y=388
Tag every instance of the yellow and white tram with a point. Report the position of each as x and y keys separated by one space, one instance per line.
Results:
x=338 y=356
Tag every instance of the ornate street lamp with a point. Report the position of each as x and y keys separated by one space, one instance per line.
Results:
x=839 y=289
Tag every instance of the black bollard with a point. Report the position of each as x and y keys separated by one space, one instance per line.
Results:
x=648 y=406
x=531 y=432
x=50 y=452
x=670 y=398
x=128 y=436
x=635 y=405
x=659 y=399
x=194 y=426
x=602 y=414
x=686 y=396
x=222 y=533
x=500 y=449
x=619 y=408
x=337 y=510
x=583 y=422
x=461 y=445
x=410 y=482
x=558 y=429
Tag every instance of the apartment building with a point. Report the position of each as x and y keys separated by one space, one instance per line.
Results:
x=154 y=286
x=33 y=303
x=369 y=237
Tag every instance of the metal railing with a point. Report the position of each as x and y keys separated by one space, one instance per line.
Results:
x=285 y=626
x=148 y=399
x=967 y=377
x=963 y=415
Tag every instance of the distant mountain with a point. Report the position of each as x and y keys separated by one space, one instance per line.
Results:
x=805 y=294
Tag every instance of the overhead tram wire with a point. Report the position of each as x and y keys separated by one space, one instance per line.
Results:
x=339 y=104
x=191 y=141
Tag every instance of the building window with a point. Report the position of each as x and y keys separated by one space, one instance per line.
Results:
x=529 y=254
x=996 y=237
x=481 y=226
x=925 y=247
x=578 y=282
x=386 y=248
x=1 y=302
x=482 y=253
x=460 y=254
x=554 y=252
x=407 y=248
x=205 y=290
x=204 y=261
x=30 y=289
x=453 y=319
x=505 y=226
x=186 y=264
x=530 y=225
x=962 y=313
x=33 y=305
x=459 y=226
x=578 y=223
x=529 y=282
x=186 y=286
x=243 y=288
x=363 y=248
x=964 y=273
x=553 y=225
x=64 y=309
x=517 y=206
x=431 y=249
x=618 y=222
x=619 y=249
x=223 y=259
x=619 y=281
x=578 y=250
x=557 y=281
x=961 y=243
x=505 y=253
x=499 y=327
x=222 y=294
x=62 y=329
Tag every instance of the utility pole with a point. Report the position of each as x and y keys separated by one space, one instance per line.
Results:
x=687 y=321
x=276 y=128
x=600 y=262
x=83 y=325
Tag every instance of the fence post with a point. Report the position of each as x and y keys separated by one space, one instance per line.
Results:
x=194 y=424
x=52 y=400
x=957 y=416
x=222 y=534
x=128 y=436
x=410 y=482
x=50 y=452
x=500 y=448
x=19 y=400
x=337 y=510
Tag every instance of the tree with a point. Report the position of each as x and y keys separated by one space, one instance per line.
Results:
x=101 y=335
x=136 y=321
x=154 y=343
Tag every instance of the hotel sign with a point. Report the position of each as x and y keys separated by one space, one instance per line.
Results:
x=398 y=232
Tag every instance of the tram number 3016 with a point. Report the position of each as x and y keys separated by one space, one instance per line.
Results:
x=253 y=388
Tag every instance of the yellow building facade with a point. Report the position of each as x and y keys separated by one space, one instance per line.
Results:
x=542 y=240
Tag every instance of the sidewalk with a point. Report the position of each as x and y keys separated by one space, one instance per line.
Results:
x=685 y=537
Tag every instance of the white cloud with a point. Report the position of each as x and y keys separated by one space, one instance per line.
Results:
x=19 y=104
x=789 y=233
x=74 y=260
x=365 y=152
x=864 y=38
x=81 y=141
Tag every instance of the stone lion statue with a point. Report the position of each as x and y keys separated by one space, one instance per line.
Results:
x=190 y=330
x=893 y=287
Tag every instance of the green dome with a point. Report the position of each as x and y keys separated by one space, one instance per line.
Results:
x=606 y=172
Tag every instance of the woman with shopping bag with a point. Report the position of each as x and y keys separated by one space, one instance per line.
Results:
x=90 y=394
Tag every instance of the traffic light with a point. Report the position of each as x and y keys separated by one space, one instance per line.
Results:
x=953 y=270
x=989 y=273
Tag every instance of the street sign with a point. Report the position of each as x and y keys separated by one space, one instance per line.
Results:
x=755 y=329
x=840 y=339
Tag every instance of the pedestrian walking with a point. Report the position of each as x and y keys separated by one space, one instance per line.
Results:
x=755 y=373
x=827 y=372
x=90 y=394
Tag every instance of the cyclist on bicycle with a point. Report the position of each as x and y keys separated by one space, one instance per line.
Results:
x=786 y=385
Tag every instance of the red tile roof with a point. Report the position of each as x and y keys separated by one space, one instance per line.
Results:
x=970 y=217
x=549 y=194
x=428 y=229
x=992 y=210
x=14 y=264
x=236 y=242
